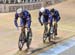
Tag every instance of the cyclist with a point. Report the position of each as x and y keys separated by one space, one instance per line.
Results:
x=25 y=20
x=56 y=17
x=45 y=18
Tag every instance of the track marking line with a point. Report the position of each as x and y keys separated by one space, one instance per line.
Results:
x=60 y=48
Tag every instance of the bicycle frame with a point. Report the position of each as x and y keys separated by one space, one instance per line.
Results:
x=25 y=38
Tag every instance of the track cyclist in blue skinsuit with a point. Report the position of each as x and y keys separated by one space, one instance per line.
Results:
x=45 y=18
x=56 y=18
x=25 y=20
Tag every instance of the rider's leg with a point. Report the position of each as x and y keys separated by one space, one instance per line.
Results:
x=55 y=26
x=29 y=30
x=23 y=32
x=28 y=27
x=50 y=25
x=45 y=27
x=22 y=23
x=28 y=33
x=23 y=29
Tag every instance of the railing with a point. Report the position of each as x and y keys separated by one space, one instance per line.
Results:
x=29 y=6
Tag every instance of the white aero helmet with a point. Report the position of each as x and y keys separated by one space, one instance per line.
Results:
x=42 y=9
x=19 y=10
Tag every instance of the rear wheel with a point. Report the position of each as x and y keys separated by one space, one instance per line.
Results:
x=29 y=39
x=49 y=39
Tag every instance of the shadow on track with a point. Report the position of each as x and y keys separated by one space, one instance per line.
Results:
x=24 y=52
x=38 y=50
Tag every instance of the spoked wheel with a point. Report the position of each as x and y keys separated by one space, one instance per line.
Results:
x=49 y=39
x=20 y=45
x=51 y=33
x=44 y=37
x=21 y=41
x=29 y=39
x=45 y=34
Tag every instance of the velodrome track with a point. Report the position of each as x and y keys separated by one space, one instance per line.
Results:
x=9 y=34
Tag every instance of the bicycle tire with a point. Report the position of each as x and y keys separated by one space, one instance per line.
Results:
x=29 y=39
x=21 y=41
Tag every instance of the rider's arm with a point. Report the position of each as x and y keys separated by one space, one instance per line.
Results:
x=29 y=20
x=57 y=16
x=39 y=18
x=15 y=20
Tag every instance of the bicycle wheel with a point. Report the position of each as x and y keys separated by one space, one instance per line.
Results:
x=44 y=37
x=29 y=39
x=49 y=38
x=55 y=30
x=21 y=41
x=51 y=32
x=20 y=45
x=45 y=34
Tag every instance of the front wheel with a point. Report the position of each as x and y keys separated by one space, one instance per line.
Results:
x=44 y=37
x=21 y=41
x=20 y=45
